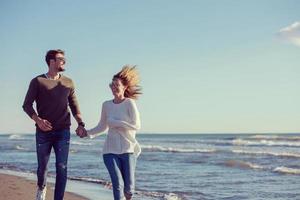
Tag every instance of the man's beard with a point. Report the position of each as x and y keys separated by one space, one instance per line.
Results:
x=60 y=69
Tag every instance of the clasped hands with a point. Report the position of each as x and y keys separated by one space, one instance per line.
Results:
x=81 y=132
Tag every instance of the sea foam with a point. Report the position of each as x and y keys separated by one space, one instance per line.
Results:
x=152 y=148
x=287 y=170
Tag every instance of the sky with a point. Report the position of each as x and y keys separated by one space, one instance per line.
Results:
x=206 y=66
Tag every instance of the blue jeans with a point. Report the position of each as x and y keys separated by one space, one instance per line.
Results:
x=59 y=140
x=121 y=168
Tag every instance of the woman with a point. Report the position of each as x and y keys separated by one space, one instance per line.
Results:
x=121 y=117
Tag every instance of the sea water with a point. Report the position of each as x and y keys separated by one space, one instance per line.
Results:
x=182 y=166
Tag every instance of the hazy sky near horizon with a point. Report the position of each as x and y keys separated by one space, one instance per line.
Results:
x=206 y=66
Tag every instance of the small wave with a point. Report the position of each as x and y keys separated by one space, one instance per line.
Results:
x=245 y=165
x=16 y=137
x=242 y=164
x=275 y=137
x=279 y=154
x=7 y=166
x=73 y=151
x=81 y=143
x=19 y=147
x=287 y=170
x=175 y=150
x=264 y=137
x=241 y=142
x=171 y=196
x=161 y=195
x=107 y=184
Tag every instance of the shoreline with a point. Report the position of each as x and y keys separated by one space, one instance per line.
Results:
x=22 y=185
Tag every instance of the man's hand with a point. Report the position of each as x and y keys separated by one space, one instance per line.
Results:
x=81 y=132
x=43 y=124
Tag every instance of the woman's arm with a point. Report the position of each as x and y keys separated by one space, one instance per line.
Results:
x=134 y=124
x=102 y=125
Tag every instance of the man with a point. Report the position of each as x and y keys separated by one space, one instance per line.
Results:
x=53 y=93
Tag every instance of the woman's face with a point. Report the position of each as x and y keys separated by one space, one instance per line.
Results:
x=117 y=87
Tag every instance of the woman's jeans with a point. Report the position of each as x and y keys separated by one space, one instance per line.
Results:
x=121 y=168
x=59 y=140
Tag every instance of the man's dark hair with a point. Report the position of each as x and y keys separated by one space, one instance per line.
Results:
x=51 y=55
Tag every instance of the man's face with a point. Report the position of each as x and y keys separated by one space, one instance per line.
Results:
x=59 y=62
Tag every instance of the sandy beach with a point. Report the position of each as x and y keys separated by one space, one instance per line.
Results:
x=14 y=187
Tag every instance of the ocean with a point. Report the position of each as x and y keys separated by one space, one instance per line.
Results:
x=182 y=166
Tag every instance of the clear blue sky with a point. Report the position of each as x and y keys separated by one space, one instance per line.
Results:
x=206 y=66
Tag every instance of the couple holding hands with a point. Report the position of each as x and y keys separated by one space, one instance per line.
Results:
x=54 y=94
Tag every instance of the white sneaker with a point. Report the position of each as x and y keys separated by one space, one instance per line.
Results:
x=41 y=194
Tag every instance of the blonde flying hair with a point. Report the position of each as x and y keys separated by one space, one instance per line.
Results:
x=130 y=78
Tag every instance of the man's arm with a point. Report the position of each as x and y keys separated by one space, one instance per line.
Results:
x=78 y=118
x=28 y=107
x=30 y=98
x=73 y=103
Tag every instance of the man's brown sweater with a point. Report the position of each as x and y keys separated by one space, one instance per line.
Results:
x=52 y=99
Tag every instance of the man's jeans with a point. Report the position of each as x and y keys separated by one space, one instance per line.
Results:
x=121 y=168
x=59 y=140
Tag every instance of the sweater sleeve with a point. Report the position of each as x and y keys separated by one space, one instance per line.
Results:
x=30 y=98
x=134 y=124
x=102 y=125
x=73 y=103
